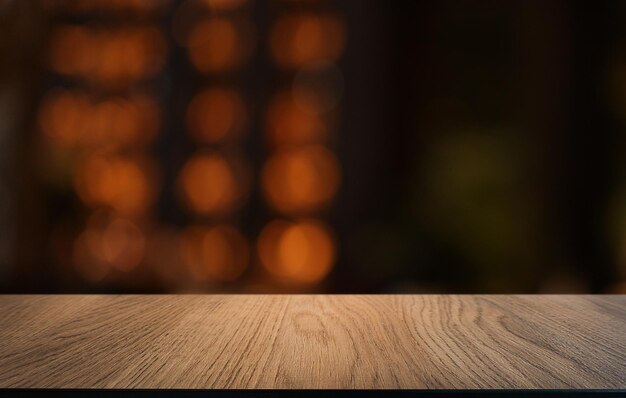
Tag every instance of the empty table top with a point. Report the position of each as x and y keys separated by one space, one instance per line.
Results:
x=313 y=341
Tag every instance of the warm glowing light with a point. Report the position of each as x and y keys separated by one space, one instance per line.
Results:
x=219 y=253
x=297 y=40
x=216 y=114
x=216 y=45
x=123 y=184
x=108 y=244
x=300 y=180
x=299 y=252
x=211 y=185
x=123 y=244
x=70 y=118
x=224 y=5
x=109 y=57
x=140 y=7
x=288 y=123
x=62 y=116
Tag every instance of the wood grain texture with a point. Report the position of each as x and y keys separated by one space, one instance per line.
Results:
x=303 y=341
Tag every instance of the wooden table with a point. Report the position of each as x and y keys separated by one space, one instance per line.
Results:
x=418 y=345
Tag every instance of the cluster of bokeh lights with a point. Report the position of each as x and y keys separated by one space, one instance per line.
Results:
x=100 y=121
x=214 y=182
x=102 y=117
x=301 y=177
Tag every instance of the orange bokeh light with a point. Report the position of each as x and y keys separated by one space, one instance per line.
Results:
x=300 y=180
x=108 y=244
x=300 y=39
x=123 y=244
x=224 y=5
x=211 y=185
x=218 y=44
x=62 y=116
x=71 y=118
x=297 y=252
x=219 y=253
x=288 y=123
x=108 y=57
x=139 y=7
x=123 y=184
x=215 y=114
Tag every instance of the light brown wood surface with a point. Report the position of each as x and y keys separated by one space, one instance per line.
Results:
x=303 y=341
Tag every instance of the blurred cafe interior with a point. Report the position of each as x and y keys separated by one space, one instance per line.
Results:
x=312 y=146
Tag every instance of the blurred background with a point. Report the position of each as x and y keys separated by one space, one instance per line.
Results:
x=312 y=146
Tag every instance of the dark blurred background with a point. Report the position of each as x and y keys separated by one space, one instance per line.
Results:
x=312 y=146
